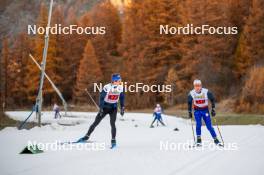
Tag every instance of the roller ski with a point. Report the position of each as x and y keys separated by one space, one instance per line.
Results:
x=81 y=140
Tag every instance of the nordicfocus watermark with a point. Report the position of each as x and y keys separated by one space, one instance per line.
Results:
x=61 y=146
x=188 y=146
x=137 y=87
x=205 y=29
x=58 y=29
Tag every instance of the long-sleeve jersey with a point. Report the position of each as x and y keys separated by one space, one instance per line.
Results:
x=158 y=110
x=110 y=96
x=200 y=100
x=56 y=107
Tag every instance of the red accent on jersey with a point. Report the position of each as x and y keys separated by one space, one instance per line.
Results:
x=199 y=101
x=112 y=97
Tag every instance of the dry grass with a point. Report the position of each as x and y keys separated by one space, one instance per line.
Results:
x=224 y=117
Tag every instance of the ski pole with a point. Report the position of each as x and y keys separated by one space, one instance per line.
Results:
x=92 y=98
x=219 y=131
x=59 y=115
x=23 y=123
x=192 y=130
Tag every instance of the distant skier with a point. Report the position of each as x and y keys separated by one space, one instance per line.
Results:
x=157 y=116
x=109 y=97
x=56 y=109
x=198 y=99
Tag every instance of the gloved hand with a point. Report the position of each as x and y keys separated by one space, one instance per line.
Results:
x=122 y=112
x=101 y=112
x=190 y=114
x=213 y=112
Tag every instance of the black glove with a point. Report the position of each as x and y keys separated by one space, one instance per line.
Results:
x=190 y=114
x=101 y=112
x=213 y=112
x=122 y=112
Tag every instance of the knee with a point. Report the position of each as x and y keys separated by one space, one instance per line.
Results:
x=112 y=123
x=209 y=127
x=198 y=124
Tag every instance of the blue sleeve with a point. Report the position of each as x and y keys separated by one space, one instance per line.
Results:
x=190 y=100
x=211 y=98
x=101 y=100
x=122 y=99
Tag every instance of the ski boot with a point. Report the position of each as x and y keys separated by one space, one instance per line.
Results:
x=83 y=139
x=113 y=143
x=199 y=141
x=217 y=142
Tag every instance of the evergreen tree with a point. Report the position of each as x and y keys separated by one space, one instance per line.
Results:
x=33 y=75
x=54 y=63
x=171 y=79
x=57 y=67
x=73 y=47
x=252 y=96
x=106 y=15
x=209 y=57
x=148 y=53
x=5 y=55
x=89 y=72
x=18 y=70
x=250 y=49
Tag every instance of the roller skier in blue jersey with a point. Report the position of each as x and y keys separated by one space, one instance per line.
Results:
x=111 y=94
x=198 y=100
x=157 y=116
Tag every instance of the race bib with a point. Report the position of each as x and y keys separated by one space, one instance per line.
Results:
x=112 y=97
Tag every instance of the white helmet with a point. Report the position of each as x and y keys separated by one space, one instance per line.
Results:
x=196 y=81
x=158 y=105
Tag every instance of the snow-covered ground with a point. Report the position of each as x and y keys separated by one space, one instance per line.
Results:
x=138 y=151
